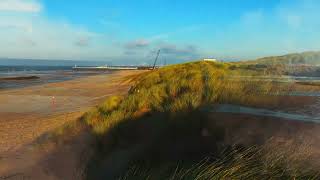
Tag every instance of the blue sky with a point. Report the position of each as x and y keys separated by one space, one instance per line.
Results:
x=132 y=31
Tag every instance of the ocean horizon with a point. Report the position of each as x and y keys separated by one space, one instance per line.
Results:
x=45 y=62
x=55 y=71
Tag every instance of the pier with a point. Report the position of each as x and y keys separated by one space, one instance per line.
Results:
x=113 y=68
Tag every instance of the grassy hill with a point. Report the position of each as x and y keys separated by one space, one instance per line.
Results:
x=298 y=64
x=311 y=58
x=161 y=129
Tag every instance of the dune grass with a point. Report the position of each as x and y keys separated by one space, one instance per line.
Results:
x=264 y=162
x=309 y=83
x=146 y=134
x=177 y=89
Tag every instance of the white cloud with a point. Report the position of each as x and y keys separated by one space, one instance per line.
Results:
x=35 y=36
x=20 y=6
x=137 y=44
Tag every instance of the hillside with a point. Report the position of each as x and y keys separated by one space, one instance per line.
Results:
x=310 y=58
x=162 y=129
x=298 y=64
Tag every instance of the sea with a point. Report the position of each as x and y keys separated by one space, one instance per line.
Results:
x=46 y=71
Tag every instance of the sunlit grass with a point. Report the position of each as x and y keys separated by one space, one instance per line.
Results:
x=167 y=100
x=177 y=88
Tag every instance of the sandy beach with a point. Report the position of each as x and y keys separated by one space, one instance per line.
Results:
x=27 y=113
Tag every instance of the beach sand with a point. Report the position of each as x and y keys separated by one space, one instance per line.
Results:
x=27 y=113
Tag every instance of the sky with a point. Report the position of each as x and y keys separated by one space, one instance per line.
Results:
x=131 y=31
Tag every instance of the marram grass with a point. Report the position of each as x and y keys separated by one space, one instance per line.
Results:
x=177 y=88
x=162 y=105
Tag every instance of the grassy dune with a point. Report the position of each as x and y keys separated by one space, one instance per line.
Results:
x=161 y=131
x=178 y=89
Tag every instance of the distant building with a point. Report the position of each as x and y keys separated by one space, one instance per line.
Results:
x=210 y=60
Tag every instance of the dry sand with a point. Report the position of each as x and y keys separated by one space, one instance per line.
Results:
x=28 y=113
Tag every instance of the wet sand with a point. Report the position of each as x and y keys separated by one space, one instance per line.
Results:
x=27 y=113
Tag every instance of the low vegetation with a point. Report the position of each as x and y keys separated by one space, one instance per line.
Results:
x=161 y=130
x=311 y=58
x=308 y=83
x=298 y=64
x=272 y=161
x=178 y=89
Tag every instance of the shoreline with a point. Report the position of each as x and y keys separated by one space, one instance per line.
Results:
x=24 y=108
x=27 y=115
x=34 y=78
x=19 y=78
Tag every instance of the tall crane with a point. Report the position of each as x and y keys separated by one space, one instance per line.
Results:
x=155 y=61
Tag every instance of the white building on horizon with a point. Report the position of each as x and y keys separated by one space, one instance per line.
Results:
x=210 y=60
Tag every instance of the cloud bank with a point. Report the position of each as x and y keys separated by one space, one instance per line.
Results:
x=27 y=33
x=20 y=6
